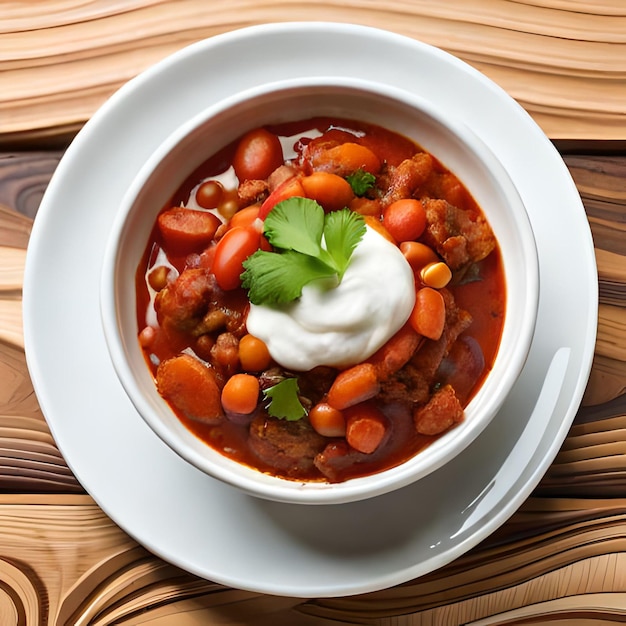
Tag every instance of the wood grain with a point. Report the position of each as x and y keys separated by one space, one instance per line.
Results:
x=564 y=61
x=560 y=558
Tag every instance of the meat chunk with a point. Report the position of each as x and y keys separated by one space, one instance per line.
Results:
x=251 y=191
x=409 y=386
x=183 y=302
x=194 y=303
x=224 y=355
x=404 y=180
x=288 y=447
x=337 y=458
x=442 y=411
x=457 y=235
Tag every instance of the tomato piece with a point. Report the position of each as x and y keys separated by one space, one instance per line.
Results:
x=230 y=253
x=290 y=188
x=258 y=154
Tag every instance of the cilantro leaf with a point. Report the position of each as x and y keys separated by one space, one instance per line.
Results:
x=342 y=232
x=295 y=228
x=272 y=278
x=361 y=182
x=296 y=224
x=284 y=400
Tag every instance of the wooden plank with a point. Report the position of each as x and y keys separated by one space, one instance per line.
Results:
x=563 y=61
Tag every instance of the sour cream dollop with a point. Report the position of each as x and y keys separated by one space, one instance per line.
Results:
x=346 y=324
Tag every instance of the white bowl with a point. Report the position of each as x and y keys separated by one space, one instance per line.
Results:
x=451 y=141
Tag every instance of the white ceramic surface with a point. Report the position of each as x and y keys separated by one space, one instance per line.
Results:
x=450 y=140
x=197 y=522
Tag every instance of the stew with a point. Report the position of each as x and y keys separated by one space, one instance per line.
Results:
x=340 y=414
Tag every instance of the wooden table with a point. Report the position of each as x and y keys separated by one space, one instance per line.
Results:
x=561 y=557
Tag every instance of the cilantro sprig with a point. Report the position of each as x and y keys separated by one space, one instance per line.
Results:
x=284 y=401
x=308 y=245
x=361 y=182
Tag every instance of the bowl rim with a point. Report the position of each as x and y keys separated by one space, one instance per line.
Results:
x=252 y=481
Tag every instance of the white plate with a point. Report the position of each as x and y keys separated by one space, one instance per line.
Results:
x=211 y=529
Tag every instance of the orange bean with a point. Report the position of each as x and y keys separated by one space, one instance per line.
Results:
x=191 y=387
x=418 y=254
x=396 y=352
x=353 y=385
x=332 y=192
x=429 y=313
x=366 y=427
x=253 y=354
x=405 y=219
x=240 y=394
x=327 y=421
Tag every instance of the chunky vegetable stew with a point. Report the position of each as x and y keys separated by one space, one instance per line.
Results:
x=320 y=300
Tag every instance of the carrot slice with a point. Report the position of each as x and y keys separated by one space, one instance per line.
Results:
x=441 y=412
x=396 y=352
x=191 y=387
x=366 y=427
x=353 y=385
